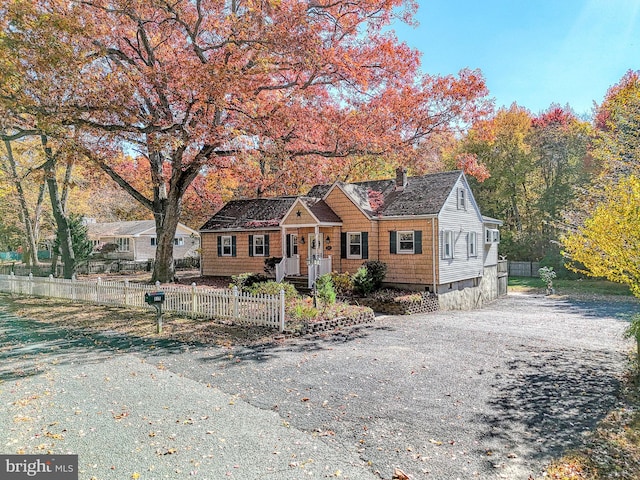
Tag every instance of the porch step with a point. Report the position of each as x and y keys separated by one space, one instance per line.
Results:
x=301 y=283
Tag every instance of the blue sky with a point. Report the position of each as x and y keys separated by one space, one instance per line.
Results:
x=534 y=52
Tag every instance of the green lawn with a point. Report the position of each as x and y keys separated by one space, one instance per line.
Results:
x=567 y=287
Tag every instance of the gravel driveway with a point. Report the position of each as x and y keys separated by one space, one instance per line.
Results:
x=491 y=393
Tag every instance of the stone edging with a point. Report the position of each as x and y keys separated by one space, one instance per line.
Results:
x=367 y=316
x=427 y=304
x=363 y=317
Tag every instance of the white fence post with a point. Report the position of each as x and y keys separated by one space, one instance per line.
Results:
x=98 y=285
x=50 y=283
x=236 y=302
x=194 y=300
x=30 y=289
x=126 y=292
x=281 y=310
x=12 y=282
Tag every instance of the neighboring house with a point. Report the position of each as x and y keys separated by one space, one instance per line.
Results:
x=136 y=240
x=428 y=230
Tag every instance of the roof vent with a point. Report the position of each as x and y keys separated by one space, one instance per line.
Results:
x=401 y=178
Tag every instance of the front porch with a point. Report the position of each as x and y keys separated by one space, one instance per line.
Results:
x=305 y=254
x=309 y=229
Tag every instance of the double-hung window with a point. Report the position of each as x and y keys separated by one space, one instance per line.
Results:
x=178 y=241
x=472 y=238
x=406 y=242
x=258 y=245
x=447 y=244
x=226 y=246
x=355 y=245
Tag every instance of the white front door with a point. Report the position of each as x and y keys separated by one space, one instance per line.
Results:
x=315 y=246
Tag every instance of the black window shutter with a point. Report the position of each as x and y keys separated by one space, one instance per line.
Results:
x=219 y=246
x=393 y=247
x=417 y=239
x=251 y=245
x=365 y=245
x=233 y=246
x=288 y=245
x=343 y=245
x=266 y=245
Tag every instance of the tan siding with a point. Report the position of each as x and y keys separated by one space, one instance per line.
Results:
x=214 y=265
x=305 y=217
x=408 y=268
x=353 y=220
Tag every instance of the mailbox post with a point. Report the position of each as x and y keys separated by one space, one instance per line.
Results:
x=156 y=299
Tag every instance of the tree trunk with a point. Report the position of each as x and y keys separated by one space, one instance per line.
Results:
x=166 y=225
x=31 y=250
x=62 y=225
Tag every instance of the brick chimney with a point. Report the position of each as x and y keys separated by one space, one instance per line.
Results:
x=401 y=178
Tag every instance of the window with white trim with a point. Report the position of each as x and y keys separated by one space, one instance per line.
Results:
x=462 y=199
x=258 y=245
x=226 y=243
x=178 y=241
x=354 y=245
x=472 y=239
x=154 y=241
x=406 y=242
x=491 y=235
x=123 y=244
x=447 y=244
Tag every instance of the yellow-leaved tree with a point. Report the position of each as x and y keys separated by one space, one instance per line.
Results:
x=608 y=243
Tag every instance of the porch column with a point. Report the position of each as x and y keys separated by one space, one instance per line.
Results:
x=316 y=231
x=283 y=232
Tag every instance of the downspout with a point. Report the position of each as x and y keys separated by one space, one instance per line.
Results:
x=433 y=253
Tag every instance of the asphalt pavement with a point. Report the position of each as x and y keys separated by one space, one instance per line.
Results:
x=491 y=393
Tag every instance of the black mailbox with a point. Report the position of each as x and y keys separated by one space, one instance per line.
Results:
x=154 y=298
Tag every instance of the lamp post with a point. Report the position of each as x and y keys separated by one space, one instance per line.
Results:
x=313 y=264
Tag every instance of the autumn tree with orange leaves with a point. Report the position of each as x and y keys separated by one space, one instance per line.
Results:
x=195 y=86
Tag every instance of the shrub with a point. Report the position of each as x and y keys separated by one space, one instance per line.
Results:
x=245 y=280
x=302 y=310
x=325 y=291
x=270 y=265
x=362 y=282
x=273 y=288
x=547 y=275
x=342 y=283
x=376 y=270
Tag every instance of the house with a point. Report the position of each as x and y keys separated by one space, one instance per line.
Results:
x=136 y=240
x=427 y=229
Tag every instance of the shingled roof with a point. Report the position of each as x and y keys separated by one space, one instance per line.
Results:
x=132 y=228
x=320 y=210
x=423 y=195
x=120 y=229
x=254 y=213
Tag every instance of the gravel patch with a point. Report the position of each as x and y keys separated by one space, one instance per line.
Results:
x=490 y=393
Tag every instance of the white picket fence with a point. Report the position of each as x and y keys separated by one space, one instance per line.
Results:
x=197 y=302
